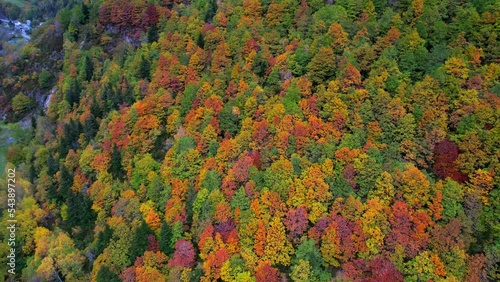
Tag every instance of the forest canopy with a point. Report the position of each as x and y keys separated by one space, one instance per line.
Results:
x=255 y=140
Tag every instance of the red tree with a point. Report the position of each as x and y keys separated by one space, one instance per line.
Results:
x=184 y=254
x=264 y=272
x=445 y=155
x=377 y=269
x=150 y=16
x=296 y=223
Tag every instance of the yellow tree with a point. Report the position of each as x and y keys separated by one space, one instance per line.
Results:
x=197 y=60
x=278 y=249
x=221 y=58
x=301 y=271
x=330 y=245
x=375 y=225
x=318 y=194
x=384 y=189
x=339 y=37
x=481 y=183
x=415 y=186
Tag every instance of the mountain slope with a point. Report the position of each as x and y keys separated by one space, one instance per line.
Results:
x=266 y=141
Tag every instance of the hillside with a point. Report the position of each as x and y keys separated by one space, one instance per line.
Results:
x=255 y=140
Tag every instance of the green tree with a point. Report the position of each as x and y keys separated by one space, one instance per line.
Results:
x=153 y=33
x=188 y=97
x=145 y=68
x=103 y=239
x=166 y=239
x=139 y=242
x=90 y=127
x=22 y=104
x=229 y=121
x=86 y=68
x=115 y=167
x=299 y=60
x=44 y=80
x=291 y=100
x=308 y=252
x=211 y=10
x=80 y=215
x=142 y=167
x=106 y=275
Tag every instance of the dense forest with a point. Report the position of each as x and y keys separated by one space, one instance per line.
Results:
x=254 y=140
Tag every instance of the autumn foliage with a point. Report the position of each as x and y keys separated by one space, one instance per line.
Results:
x=265 y=141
